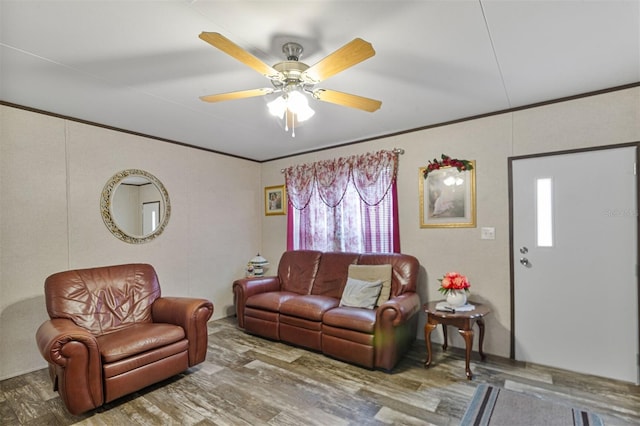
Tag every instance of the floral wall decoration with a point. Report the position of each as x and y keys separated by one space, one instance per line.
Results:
x=447 y=161
x=447 y=192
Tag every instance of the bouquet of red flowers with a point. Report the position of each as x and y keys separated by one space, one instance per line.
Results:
x=453 y=281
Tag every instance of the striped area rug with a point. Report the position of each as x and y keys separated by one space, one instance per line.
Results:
x=493 y=406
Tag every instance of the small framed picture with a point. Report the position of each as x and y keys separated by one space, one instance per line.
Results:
x=275 y=200
x=448 y=198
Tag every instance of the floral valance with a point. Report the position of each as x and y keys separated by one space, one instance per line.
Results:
x=372 y=175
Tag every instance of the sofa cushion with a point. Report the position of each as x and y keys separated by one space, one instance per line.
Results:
x=362 y=320
x=404 y=270
x=374 y=273
x=297 y=270
x=131 y=363
x=308 y=307
x=270 y=301
x=360 y=294
x=136 y=339
x=332 y=273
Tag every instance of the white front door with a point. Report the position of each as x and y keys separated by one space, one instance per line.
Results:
x=574 y=262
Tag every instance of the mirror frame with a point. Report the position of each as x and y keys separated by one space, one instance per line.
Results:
x=107 y=213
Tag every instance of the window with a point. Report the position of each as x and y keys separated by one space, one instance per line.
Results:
x=544 y=212
x=346 y=204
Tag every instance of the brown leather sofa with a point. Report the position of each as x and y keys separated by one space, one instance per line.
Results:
x=111 y=334
x=301 y=306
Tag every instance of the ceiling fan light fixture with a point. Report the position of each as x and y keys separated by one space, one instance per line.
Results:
x=277 y=107
x=292 y=102
x=292 y=107
x=298 y=104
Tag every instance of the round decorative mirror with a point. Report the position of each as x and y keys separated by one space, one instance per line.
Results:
x=135 y=206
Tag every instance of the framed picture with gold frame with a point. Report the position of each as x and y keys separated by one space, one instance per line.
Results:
x=275 y=200
x=448 y=198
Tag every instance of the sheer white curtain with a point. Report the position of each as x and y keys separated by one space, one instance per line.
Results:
x=344 y=204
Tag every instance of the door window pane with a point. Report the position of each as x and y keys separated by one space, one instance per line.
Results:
x=544 y=212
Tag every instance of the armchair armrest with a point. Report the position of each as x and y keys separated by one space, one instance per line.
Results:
x=74 y=354
x=190 y=314
x=246 y=287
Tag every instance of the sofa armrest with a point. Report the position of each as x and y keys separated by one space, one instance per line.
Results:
x=246 y=287
x=398 y=310
x=396 y=323
x=74 y=354
x=192 y=315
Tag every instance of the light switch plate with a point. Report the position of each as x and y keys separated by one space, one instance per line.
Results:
x=487 y=233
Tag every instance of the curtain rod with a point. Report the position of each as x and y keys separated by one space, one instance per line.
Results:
x=396 y=151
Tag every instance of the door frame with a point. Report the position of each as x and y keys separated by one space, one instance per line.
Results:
x=512 y=266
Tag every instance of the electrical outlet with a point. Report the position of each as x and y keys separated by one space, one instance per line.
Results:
x=487 y=233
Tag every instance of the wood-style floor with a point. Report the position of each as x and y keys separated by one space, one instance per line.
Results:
x=247 y=380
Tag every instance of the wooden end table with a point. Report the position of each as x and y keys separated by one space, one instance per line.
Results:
x=463 y=320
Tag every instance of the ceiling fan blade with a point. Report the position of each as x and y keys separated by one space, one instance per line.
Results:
x=346 y=99
x=236 y=95
x=219 y=41
x=347 y=56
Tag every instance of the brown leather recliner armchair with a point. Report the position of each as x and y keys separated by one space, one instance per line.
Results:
x=111 y=334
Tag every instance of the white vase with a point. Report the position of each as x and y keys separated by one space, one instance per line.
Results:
x=457 y=298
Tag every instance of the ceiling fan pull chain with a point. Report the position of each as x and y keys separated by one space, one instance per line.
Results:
x=293 y=125
x=286 y=120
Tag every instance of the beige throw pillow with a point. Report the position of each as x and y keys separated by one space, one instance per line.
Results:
x=360 y=294
x=373 y=273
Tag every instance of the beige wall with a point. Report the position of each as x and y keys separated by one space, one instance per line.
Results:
x=599 y=120
x=52 y=172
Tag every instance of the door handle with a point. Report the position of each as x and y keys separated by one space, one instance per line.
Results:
x=525 y=262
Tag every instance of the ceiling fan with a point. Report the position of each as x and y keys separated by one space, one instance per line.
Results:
x=292 y=75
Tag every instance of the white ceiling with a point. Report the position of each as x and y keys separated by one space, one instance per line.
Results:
x=140 y=66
